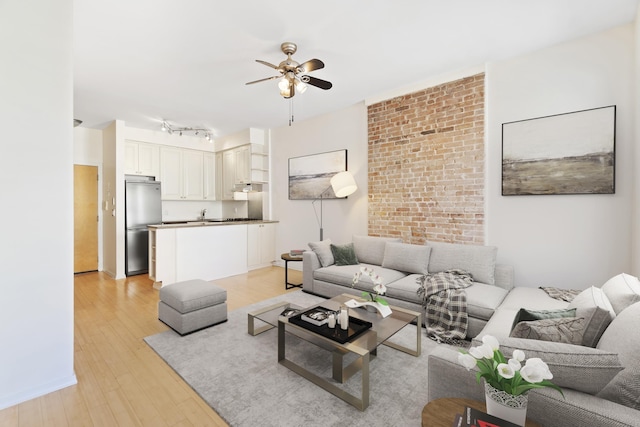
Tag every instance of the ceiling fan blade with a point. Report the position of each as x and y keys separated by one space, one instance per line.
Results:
x=310 y=65
x=262 y=80
x=268 y=64
x=322 y=84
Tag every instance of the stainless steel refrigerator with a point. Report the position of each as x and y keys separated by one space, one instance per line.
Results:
x=143 y=207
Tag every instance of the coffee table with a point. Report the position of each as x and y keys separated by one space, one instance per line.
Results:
x=441 y=412
x=364 y=346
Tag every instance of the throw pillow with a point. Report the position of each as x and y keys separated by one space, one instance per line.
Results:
x=480 y=261
x=622 y=291
x=525 y=315
x=593 y=305
x=623 y=336
x=370 y=249
x=344 y=254
x=406 y=257
x=565 y=329
x=323 y=250
x=581 y=368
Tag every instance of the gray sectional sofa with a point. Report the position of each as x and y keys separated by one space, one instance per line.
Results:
x=399 y=264
x=598 y=367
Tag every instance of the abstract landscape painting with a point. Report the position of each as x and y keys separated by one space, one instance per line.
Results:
x=310 y=176
x=572 y=153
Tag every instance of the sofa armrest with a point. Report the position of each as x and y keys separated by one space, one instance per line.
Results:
x=447 y=378
x=504 y=276
x=310 y=263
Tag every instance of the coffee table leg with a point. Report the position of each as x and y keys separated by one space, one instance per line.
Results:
x=361 y=403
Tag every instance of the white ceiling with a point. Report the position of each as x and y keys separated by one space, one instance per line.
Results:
x=187 y=61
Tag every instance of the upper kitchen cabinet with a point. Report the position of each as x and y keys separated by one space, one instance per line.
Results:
x=141 y=158
x=243 y=164
x=210 y=182
x=181 y=174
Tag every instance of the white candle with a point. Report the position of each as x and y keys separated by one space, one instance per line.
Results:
x=344 y=317
x=332 y=320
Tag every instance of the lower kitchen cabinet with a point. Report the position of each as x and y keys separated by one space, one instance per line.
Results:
x=207 y=253
x=261 y=245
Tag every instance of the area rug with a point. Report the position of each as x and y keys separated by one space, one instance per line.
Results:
x=239 y=376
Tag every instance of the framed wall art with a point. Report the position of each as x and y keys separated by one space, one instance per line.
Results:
x=571 y=153
x=309 y=176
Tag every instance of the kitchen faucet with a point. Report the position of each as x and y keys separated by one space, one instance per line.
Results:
x=202 y=214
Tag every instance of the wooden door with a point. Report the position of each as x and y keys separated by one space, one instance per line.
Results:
x=85 y=218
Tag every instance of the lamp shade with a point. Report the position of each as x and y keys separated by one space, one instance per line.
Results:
x=343 y=184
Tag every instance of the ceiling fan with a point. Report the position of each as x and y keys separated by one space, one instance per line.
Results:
x=292 y=74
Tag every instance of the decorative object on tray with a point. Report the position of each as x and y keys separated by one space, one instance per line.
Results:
x=507 y=382
x=317 y=316
x=372 y=300
x=354 y=327
x=288 y=312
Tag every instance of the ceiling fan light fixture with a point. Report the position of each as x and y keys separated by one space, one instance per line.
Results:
x=283 y=84
x=300 y=86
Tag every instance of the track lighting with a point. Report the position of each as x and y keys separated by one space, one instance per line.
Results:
x=166 y=127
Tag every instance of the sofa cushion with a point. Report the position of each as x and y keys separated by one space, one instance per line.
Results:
x=480 y=261
x=623 y=337
x=343 y=275
x=561 y=329
x=343 y=254
x=593 y=305
x=622 y=291
x=370 y=249
x=581 y=368
x=406 y=257
x=323 y=250
x=405 y=289
x=483 y=300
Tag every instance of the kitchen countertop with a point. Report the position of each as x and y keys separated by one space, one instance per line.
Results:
x=207 y=223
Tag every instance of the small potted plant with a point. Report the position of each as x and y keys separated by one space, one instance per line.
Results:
x=507 y=382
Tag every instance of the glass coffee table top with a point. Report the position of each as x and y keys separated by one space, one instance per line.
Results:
x=268 y=315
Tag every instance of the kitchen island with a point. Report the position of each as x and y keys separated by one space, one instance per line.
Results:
x=208 y=250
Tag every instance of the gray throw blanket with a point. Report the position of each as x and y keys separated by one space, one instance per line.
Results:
x=562 y=294
x=445 y=302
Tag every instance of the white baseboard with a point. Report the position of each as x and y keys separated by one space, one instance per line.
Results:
x=18 y=398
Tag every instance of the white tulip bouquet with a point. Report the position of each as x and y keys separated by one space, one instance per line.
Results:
x=507 y=375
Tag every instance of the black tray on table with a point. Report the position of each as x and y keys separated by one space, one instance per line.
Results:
x=356 y=327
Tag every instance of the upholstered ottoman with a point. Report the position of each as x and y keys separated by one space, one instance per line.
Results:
x=192 y=305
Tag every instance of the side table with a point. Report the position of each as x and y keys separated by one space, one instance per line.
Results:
x=442 y=412
x=288 y=258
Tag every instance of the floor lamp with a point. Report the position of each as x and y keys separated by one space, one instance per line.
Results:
x=343 y=185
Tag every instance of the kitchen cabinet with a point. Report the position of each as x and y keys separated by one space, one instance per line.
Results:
x=181 y=174
x=207 y=253
x=219 y=186
x=141 y=158
x=261 y=240
x=228 y=174
x=209 y=164
x=243 y=164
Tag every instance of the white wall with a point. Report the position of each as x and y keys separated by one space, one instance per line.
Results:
x=635 y=250
x=36 y=171
x=570 y=241
x=344 y=129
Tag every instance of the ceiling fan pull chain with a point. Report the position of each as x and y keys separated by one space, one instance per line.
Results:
x=290 y=111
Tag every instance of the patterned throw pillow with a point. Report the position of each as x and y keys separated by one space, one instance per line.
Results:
x=344 y=254
x=564 y=330
x=525 y=315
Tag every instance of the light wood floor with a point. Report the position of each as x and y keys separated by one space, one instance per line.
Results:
x=121 y=381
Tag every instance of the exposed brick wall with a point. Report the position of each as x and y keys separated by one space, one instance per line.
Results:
x=426 y=164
